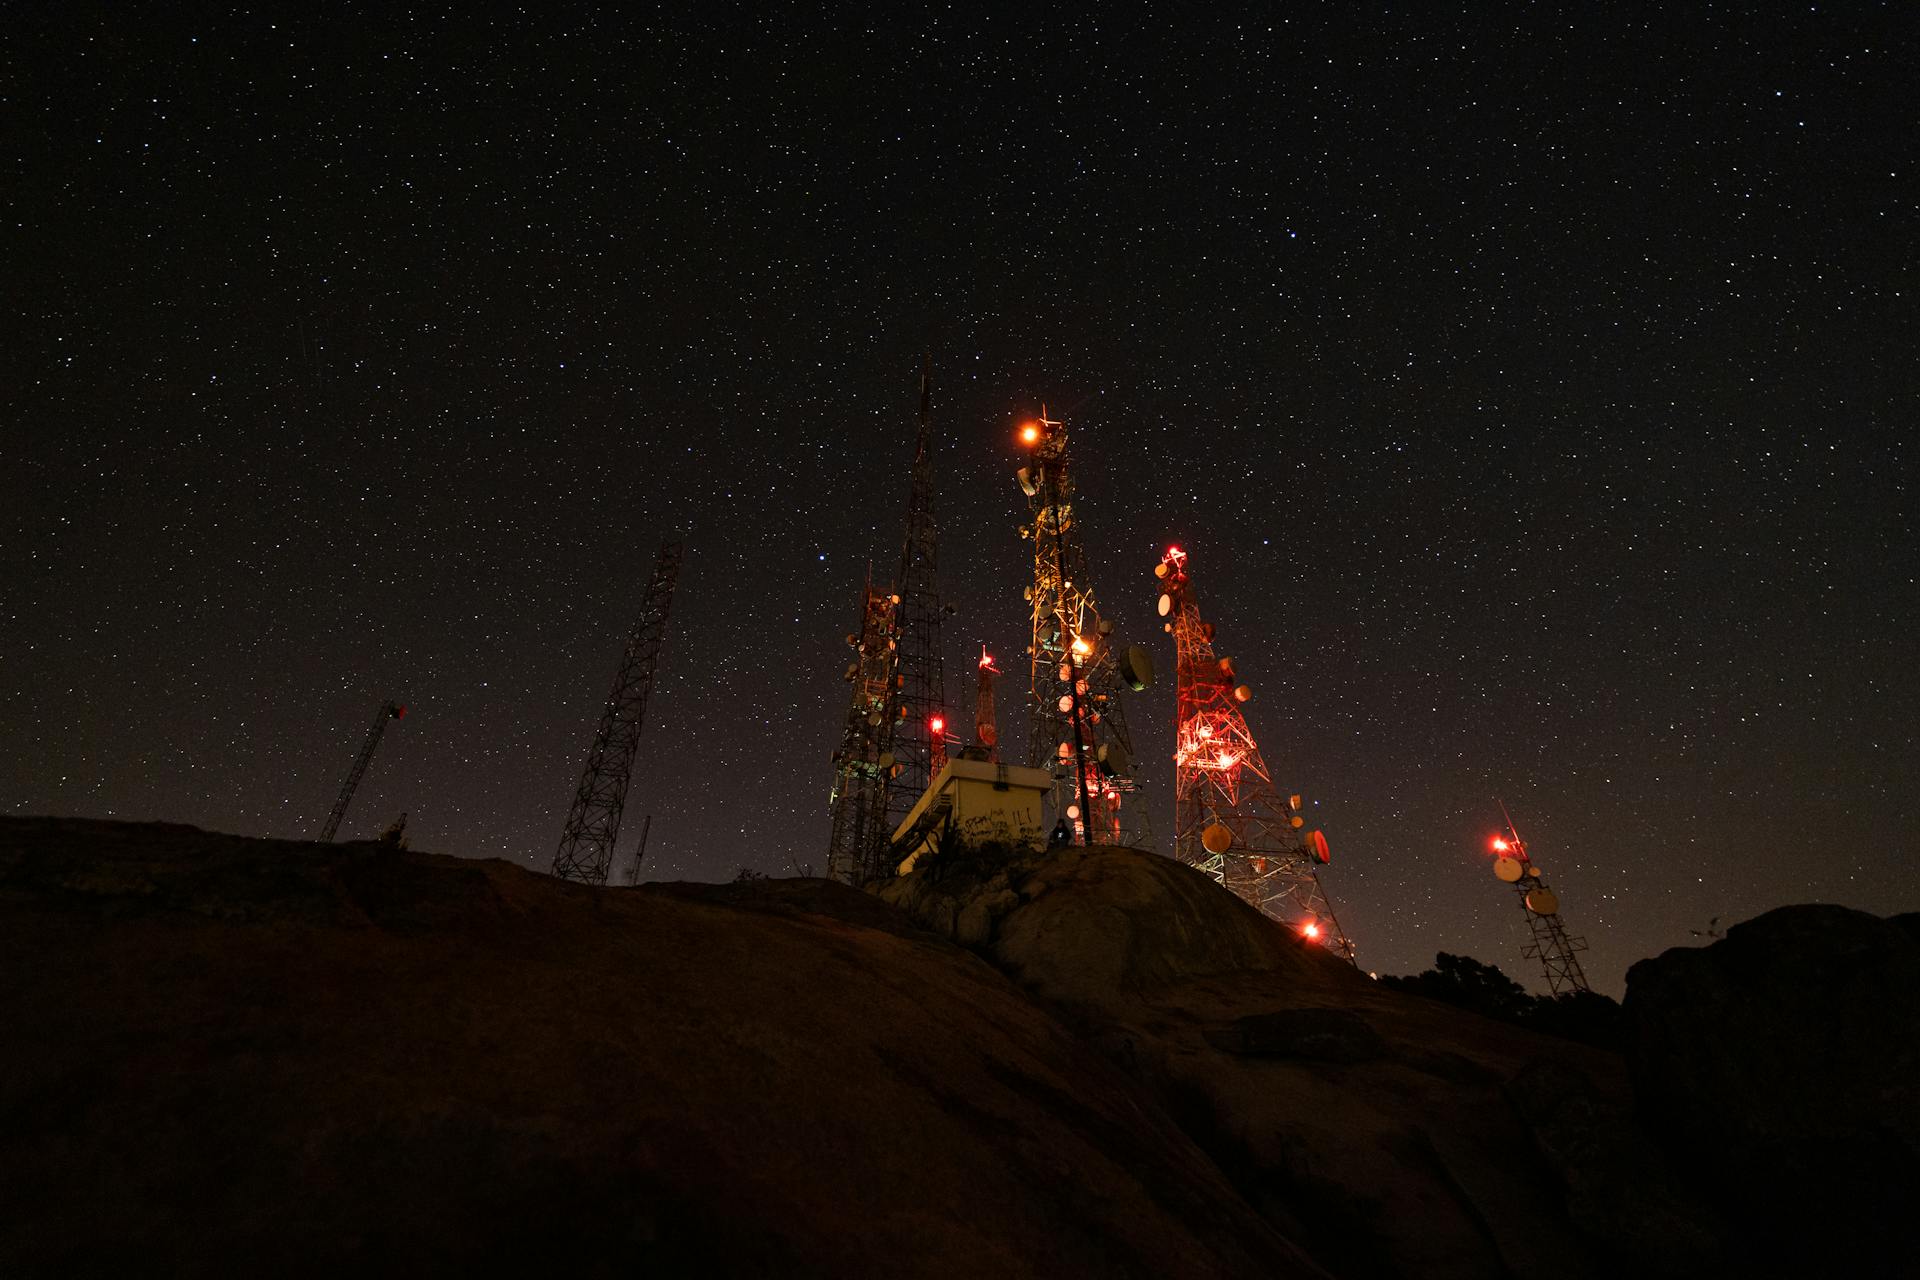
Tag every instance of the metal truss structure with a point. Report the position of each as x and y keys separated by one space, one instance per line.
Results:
x=1557 y=950
x=1076 y=724
x=865 y=764
x=388 y=711
x=1229 y=821
x=593 y=823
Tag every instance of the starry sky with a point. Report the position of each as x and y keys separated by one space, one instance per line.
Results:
x=1532 y=387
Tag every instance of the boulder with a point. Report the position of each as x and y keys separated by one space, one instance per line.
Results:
x=1781 y=1065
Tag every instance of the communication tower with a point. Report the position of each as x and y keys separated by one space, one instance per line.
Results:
x=1555 y=949
x=919 y=742
x=388 y=711
x=1077 y=726
x=593 y=823
x=865 y=762
x=1228 y=819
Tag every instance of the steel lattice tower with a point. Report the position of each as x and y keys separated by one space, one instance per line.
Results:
x=919 y=740
x=1555 y=948
x=865 y=763
x=1228 y=819
x=388 y=711
x=1076 y=725
x=593 y=823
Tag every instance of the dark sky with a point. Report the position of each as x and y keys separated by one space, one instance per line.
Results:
x=1534 y=392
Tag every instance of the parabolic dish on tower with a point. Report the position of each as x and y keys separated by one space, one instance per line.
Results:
x=1542 y=902
x=1217 y=838
x=1507 y=869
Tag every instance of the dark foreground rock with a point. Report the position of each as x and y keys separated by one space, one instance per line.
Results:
x=222 y=1055
x=1781 y=1065
x=1380 y=1131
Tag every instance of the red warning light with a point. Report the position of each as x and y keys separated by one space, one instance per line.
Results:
x=937 y=724
x=399 y=712
x=1310 y=929
x=1030 y=434
x=1500 y=844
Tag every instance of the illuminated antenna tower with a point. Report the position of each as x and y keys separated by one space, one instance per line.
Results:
x=986 y=729
x=919 y=742
x=388 y=711
x=865 y=764
x=1555 y=949
x=1228 y=820
x=593 y=823
x=1076 y=725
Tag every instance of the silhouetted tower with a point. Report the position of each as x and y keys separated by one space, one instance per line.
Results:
x=593 y=823
x=919 y=743
x=1228 y=819
x=1555 y=949
x=388 y=711
x=1076 y=725
x=865 y=764
x=986 y=730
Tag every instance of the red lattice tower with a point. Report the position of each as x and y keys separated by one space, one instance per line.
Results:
x=1228 y=819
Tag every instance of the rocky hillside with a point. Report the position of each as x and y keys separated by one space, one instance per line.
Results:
x=223 y=1053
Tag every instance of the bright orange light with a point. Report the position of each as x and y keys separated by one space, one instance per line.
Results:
x=1030 y=434
x=1311 y=929
x=936 y=724
x=986 y=659
x=1500 y=843
x=1226 y=760
x=1081 y=646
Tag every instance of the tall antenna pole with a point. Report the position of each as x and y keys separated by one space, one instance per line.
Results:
x=639 y=851
x=1076 y=725
x=388 y=711
x=1555 y=948
x=1229 y=820
x=919 y=743
x=593 y=823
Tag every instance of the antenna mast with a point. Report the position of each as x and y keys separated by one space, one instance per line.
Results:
x=593 y=823
x=1228 y=820
x=919 y=742
x=388 y=711
x=1076 y=725
x=1555 y=949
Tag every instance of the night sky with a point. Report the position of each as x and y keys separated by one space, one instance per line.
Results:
x=1534 y=394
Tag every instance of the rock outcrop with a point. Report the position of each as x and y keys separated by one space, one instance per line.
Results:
x=1387 y=1134
x=1781 y=1065
x=222 y=1055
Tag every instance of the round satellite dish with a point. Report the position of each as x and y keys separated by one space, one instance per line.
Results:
x=1507 y=869
x=1105 y=628
x=1166 y=604
x=1066 y=703
x=1317 y=846
x=1066 y=751
x=1160 y=570
x=1066 y=671
x=988 y=734
x=1136 y=668
x=1542 y=901
x=1073 y=811
x=1115 y=758
x=873 y=718
x=1029 y=594
x=1226 y=667
x=1296 y=822
x=1217 y=838
x=1242 y=693
x=886 y=760
x=1533 y=872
